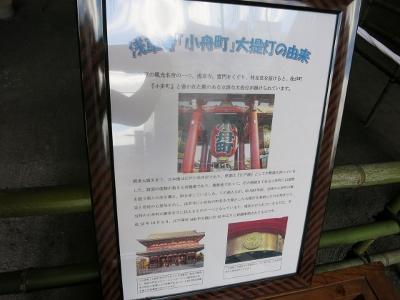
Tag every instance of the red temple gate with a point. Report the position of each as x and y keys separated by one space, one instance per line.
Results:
x=222 y=131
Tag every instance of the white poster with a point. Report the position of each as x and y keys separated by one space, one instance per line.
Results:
x=216 y=112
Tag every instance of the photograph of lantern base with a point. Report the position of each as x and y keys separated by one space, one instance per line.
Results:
x=257 y=239
x=224 y=132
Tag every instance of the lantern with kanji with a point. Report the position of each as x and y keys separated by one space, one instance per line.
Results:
x=224 y=140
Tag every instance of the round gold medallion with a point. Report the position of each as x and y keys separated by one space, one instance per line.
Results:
x=252 y=241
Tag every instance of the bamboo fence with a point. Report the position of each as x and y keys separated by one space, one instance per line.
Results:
x=76 y=199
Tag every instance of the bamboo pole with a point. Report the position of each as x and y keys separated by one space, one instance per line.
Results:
x=75 y=199
x=38 y=279
x=44 y=201
x=353 y=176
x=362 y=247
x=393 y=207
x=386 y=258
x=351 y=235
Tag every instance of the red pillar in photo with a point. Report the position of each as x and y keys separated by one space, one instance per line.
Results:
x=204 y=152
x=241 y=151
x=253 y=136
x=191 y=143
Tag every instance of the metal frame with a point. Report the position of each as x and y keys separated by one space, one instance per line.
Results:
x=93 y=55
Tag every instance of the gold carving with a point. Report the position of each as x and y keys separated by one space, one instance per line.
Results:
x=252 y=241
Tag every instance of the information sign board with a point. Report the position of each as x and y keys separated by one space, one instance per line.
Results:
x=211 y=129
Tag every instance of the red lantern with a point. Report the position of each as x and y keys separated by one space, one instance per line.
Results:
x=224 y=140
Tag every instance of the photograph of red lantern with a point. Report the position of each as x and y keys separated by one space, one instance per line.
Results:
x=224 y=132
x=224 y=140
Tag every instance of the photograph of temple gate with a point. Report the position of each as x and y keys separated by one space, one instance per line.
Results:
x=172 y=251
x=223 y=132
